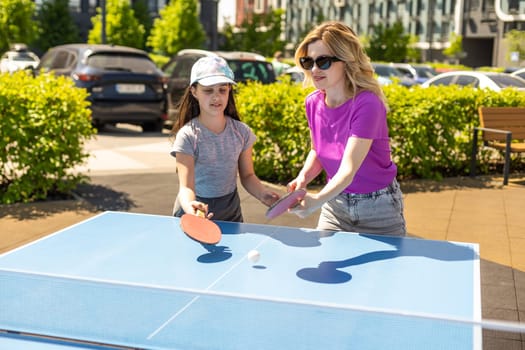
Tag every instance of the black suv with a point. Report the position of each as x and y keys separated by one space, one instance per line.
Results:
x=245 y=65
x=124 y=84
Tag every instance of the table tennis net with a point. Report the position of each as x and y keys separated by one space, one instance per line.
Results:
x=159 y=317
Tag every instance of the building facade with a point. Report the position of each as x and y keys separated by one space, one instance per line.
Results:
x=482 y=24
x=83 y=10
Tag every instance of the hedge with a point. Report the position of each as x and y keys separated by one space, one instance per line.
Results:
x=430 y=128
x=44 y=122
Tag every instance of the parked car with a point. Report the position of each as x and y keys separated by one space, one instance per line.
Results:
x=124 y=84
x=420 y=73
x=295 y=73
x=246 y=66
x=519 y=73
x=478 y=79
x=388 y=74
x=19 y=57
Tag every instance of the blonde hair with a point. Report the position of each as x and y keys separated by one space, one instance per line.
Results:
x=343 y=42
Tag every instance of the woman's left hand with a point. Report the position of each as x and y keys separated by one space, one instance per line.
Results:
x=307 y=206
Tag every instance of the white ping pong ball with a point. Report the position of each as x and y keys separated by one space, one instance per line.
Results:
x=254 y=256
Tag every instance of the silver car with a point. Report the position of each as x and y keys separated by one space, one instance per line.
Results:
x=477 y=79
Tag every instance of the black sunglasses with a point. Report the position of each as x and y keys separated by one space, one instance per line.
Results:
x=323 y=62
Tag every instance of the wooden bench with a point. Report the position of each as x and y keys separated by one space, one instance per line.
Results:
x=503 y=128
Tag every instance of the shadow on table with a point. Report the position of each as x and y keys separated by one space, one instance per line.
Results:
x=329 y=271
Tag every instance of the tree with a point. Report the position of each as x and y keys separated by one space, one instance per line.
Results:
x=122 y=27
x=140 y=8
x=260 y=34
x=16 y=22
x=177 y=28
x=413 y=53
x=388 y=44
x=56 y=25
x=516 y=43
x=455 y=50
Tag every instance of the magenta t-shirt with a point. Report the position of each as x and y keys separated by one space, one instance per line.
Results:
x=364 y=117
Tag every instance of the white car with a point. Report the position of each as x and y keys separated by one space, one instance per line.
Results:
x=296 y=74
x=483 y=80
x=12 y=61
x=519 y=73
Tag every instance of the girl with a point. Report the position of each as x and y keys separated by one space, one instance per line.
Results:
x=213 y=146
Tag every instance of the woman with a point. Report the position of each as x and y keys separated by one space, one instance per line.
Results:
x=349 y=137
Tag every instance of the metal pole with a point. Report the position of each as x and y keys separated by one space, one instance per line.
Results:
x=430 y=28
x=103 y=33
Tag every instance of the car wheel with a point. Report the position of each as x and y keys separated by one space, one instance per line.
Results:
x=99 y=126
x=155 y=126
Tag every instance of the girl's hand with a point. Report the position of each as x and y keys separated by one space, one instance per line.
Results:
x=200 y=209
x=269 y=197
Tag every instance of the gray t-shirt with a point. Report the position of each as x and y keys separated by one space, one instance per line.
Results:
x=216 y=155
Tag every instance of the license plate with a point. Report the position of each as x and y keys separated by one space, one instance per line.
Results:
x=131 y=88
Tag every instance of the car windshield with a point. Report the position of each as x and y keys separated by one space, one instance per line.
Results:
x=387 y=71
x=251 y=70
x=121 y=61
x=23 y=57
x=180 y=68
x=504 y=80
x=426 y=72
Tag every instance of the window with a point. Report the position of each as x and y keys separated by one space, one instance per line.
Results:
x=258 y=6
x=504 y=81
x=251 y=70
x=61 y=60
x=131 y=63
x=181 y=67
x=443 y=81
x=465 y=80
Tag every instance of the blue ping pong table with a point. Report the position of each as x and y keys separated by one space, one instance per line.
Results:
x=123 y=280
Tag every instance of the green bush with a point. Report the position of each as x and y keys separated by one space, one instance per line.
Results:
x=430 y=128
x=44 y=122
x=160 y=60
x=276 y=114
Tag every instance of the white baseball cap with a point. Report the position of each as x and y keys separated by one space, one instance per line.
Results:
x=210 y=71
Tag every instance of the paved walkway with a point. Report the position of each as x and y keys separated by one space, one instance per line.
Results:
x=476 y=210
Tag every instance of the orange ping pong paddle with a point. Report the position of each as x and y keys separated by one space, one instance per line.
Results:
x=200 y=229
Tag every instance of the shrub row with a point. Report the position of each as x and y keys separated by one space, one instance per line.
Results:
x=431 y=128
x=44 y=122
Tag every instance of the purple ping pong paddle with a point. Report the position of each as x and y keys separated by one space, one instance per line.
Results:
x=287 y=201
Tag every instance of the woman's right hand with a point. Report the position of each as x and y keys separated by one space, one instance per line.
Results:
x=298 y=182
